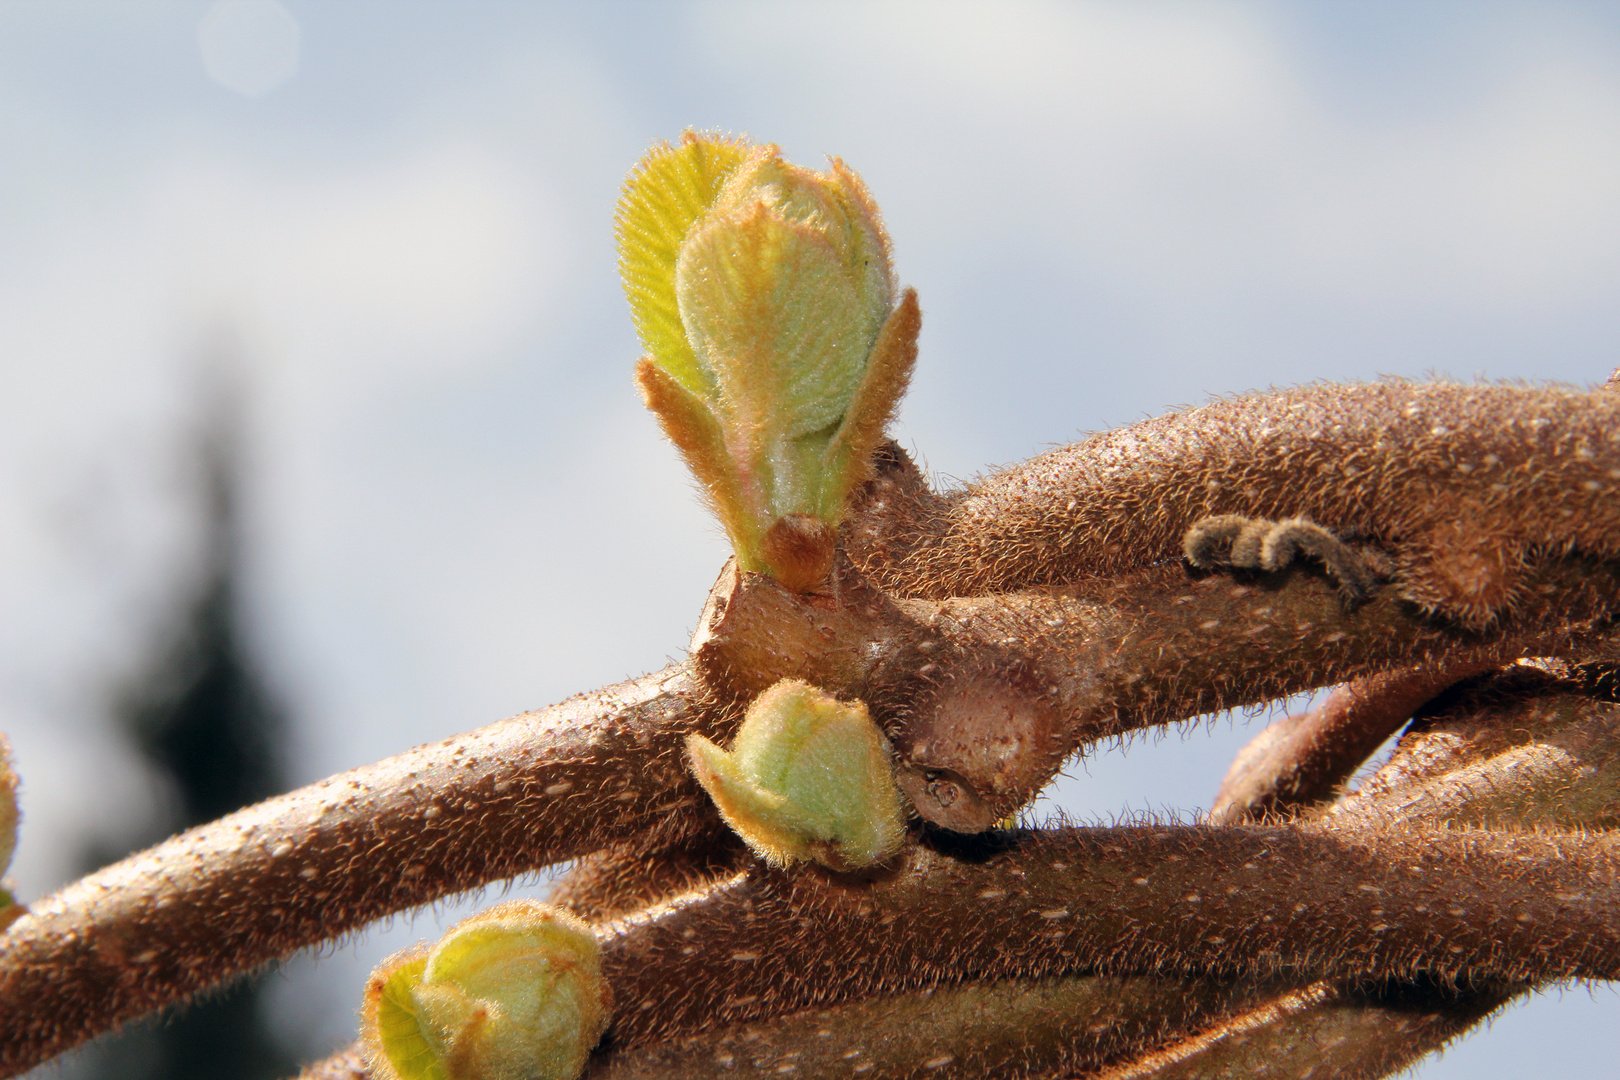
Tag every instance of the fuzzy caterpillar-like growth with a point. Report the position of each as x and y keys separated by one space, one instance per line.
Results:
x=1461 y=485
x=1273 y=546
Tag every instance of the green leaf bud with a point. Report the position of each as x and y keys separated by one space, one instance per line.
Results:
x=9 y=909
x=808 y=777
x=514 y=993
x=791 y=353
x=8 y=806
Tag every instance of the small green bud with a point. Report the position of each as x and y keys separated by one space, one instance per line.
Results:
x=8 y=830
x=777 y=352
x=8 y=806
x=808 y=777
x=513 y=993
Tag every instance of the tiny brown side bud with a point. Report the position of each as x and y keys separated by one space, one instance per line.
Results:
x=799 y=550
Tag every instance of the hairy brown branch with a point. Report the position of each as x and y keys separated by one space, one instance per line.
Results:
x=539 y=788
x=606 y=768
x=1351 y=1029
x=985 y=697
x=628 y=877
x=1008 y=1030
x=1496 y=504
x=1139 y=900
x=1057 y=670
x=1460 y=484
x=1302 y=759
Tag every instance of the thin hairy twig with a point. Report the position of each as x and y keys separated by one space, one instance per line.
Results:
x=539 y=788
x=1301 y=760
x=1013 y=1028
x=1337 y=1030
x=1523 y=750
x=1459 y=483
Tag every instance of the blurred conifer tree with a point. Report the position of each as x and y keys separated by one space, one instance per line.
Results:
x=203 y=717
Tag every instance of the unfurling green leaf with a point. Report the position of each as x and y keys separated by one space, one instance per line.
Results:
x=777 y=352
x=513 y=993
x=808 y=777
x=672 y=188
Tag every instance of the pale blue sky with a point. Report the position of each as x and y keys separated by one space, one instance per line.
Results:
x=456 y=507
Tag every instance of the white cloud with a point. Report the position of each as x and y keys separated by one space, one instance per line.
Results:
x=1192 y=147
x=404 y=261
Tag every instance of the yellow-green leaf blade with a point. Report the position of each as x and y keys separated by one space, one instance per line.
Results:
x=670 y=188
